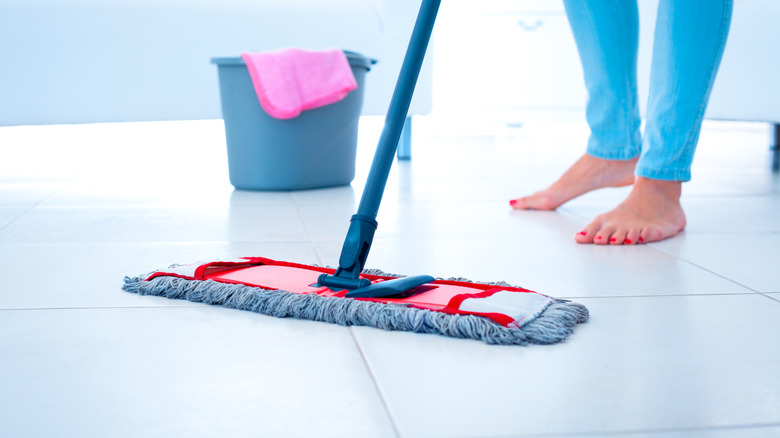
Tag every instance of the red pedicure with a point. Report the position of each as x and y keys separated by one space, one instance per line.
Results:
x=582 y=233
x=641 y=240
x=612 y=240
x=598 y=237
x=627 y=242
x=513 y=202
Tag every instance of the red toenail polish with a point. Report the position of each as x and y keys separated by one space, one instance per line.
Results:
x=598 y=238
x=513 y=202
x=582 y=233
x=627 y=242
x=612 y=240
x=641 y=240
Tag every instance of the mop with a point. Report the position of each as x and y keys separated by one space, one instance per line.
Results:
x=495 y=313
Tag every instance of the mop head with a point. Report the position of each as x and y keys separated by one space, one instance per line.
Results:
x=495 y=313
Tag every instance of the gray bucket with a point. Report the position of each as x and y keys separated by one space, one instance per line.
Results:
x=316 y=149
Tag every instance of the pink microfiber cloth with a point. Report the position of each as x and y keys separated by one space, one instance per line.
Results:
x=292 y=80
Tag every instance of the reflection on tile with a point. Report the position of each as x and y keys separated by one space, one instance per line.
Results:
x=156 y=223
x=132 y=190
x=655 y=363
x=343 y=195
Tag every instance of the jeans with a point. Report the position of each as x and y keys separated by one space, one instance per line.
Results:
x=689 y=39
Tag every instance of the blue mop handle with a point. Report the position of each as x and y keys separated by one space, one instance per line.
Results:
x=363 y=224
x=398 y=110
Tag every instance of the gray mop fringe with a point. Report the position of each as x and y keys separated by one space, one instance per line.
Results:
x=554 y=325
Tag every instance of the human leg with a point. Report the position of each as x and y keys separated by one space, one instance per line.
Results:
x=607 y=37
x=688 y=45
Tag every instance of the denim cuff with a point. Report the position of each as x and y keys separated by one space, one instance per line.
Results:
x=613 y=153
x=682 y=175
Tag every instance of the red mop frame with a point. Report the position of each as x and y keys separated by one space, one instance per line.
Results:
x=444 y=296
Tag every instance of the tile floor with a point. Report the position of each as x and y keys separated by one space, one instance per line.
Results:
x=684 y=339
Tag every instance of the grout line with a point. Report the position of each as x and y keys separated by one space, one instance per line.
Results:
x=300 y=216
x=31 y=208
x=676 y=257
x=382 y=397
x=770 y=296
x=19 y=216
x=706 y=269
x=320 y=259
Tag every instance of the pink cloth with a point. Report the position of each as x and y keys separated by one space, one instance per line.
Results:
x=292 y=80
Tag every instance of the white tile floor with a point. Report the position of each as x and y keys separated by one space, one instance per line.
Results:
x=684 y=339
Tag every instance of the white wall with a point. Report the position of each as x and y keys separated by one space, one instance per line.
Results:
x=73 y=61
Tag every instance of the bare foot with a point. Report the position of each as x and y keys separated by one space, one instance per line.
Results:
x=588 y=173
x=651 y=212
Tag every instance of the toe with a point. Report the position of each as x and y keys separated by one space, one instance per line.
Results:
x=584 y=236
x=524 y=203
x=537 y=201
x=603 y=237
x=618 y=237
x=588 y=234
x=652 y=234
x=516 y=203
x=633 y=237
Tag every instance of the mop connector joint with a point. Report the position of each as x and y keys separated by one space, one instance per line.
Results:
x=353 y=259
x=353 y=255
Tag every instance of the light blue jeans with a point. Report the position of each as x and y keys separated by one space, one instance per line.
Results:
x=689 y=39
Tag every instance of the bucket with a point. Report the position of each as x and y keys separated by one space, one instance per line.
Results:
x=314 y=150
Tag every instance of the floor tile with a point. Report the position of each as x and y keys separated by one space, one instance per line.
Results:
x=655 y=360
x=10 y=214
x=132 y=190
x=758 y=183
x=90 y=275
x=411 y=187
x=733 y=215
x=188 y=371
x=26 y=193
x=639 y=364
x=717 y=150
x=239 y=222
x=736 y=432
x=347 y=195
x=549 y=264
x=748 y=259
x=441 y=219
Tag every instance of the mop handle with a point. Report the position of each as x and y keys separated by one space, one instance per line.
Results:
x=398 y=110
x=363 y=224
